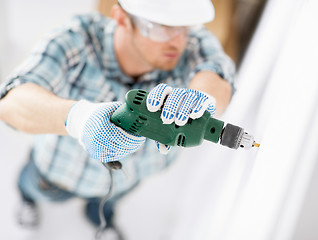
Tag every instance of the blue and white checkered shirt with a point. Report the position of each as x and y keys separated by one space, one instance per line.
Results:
x=78 y=61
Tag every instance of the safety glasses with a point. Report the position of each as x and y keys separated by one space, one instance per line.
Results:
x=157 y=32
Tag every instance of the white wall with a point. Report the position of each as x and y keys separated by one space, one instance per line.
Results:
x=27 y=20
x=3 y=38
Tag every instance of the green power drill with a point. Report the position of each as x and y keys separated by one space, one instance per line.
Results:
x=134 y=117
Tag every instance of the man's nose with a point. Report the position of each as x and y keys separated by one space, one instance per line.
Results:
x=178 y=40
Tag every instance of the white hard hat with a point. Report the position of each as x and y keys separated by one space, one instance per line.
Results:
x=171 y=12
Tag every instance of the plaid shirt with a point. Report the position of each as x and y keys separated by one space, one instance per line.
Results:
x=78 y=61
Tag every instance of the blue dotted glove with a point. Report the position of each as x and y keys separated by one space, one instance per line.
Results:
x=90 y=124
x=180 y=105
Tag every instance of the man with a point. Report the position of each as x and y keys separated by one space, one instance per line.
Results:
x=74 y=80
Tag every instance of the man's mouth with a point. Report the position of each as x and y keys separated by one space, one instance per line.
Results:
x=171 y=55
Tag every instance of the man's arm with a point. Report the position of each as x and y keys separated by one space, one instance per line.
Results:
x=212 y=84
x=33 y=109
x=214 y=71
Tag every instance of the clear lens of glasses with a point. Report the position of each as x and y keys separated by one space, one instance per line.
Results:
x=157 y=32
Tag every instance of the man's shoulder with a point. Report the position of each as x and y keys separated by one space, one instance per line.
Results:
x=91 y=18
x=199 y=32
x=88 y=22
x=80 y=29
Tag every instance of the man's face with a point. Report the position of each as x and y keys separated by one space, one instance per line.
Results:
x=162 y=55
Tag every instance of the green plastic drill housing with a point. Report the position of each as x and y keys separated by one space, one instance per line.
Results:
x=134 y=117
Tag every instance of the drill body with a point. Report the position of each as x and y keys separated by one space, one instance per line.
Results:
x=134 y=117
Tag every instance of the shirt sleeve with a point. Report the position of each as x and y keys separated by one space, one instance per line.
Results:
x=49 y=62
x=208 y=55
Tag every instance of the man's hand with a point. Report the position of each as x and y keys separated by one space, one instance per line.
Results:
x=90 y=124
x=180 y=105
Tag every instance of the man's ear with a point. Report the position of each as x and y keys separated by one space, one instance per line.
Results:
x=120 y=16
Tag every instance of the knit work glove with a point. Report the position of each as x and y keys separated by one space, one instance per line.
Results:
x=90 y=124
x=180 y=105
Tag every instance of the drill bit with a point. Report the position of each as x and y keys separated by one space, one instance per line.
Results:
x=255 y=144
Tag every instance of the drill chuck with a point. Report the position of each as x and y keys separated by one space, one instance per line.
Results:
x=134 y=117
x=234 y=137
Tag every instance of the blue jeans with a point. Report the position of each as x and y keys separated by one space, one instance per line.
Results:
x=35 y=188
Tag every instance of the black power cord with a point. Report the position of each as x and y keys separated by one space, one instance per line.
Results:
x=111 y=166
